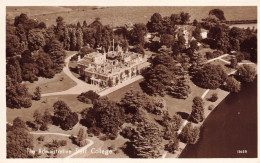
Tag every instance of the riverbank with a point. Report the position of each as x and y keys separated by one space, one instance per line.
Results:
x=231 y=129
x=207 y=94
x=221 y=96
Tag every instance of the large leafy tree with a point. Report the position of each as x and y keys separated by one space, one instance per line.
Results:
x=155 y=24
x=105 y=117
x=29 y=68
x=232 y=85
x=17 y=95
x=13 y=69
x=147 y=142
x=197 y=113
x=246 y=73
x=57 y=54
x=18 y=140
x=63 y=116
x=190 y=134
x=218 y=13
x=44 y=65
x=137 y=34
x=210 y=76
x=35 y=39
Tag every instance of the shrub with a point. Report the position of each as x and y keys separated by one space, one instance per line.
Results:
x=190 y=134
x=232 y=85
x=210 y=76
x=197 y=113
x=213 y=98
x=88 y=97
x=211 y=107
x=239 y=56
x=40 y=138
x=44 y=127
x=233 y=63
x=128 y=132
x=172 y=146
x=111 y=147
x=246 y=73
x=63 y=142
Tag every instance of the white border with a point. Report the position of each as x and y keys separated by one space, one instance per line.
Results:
x=5 y=3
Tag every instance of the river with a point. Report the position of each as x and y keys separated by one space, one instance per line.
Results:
x=231 y=126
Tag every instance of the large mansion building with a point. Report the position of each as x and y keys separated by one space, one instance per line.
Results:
x=111 y=68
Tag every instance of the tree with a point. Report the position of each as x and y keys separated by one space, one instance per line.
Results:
x=57 y=54
x=185 y=17
x=70 y=121
x=17 y=95
x=47 y=117
x=218 y=13
x=197 y=113
x=190 y=134
x=157 y=80
x=29 y=67
x=137 y=34
x=13 y=69
x=172 y=125
x=197 y=33
x=233 y=62
x=37 y=94
x=14 y=47
x=37 y=117
x=35 y=39
x=232 y=85
x=105 y=117
x=79 y=36
x=197 y=62
x=18 y=140
x=147 y=141
x=138 y=49
x=194 y=45
x=81 y=138
x=210 y=76
x=155 y=25
x=172 y=146
x=167 y=40
x=246 y=73
x=63 y=116
x=91 y=95
x=44 y=65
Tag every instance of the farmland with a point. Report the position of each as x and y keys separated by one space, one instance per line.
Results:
x=117 y=16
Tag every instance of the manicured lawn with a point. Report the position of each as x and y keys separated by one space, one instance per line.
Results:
x=60 y=82
x=46 y=102
x=118 y=94
x=49 y=138
x=174 y=105
x=179 y=105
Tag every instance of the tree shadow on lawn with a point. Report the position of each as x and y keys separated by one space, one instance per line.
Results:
x=128 y=149
x=74 y=69
x=183 y=115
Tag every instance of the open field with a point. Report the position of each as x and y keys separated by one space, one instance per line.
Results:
x=49 y=138
x=60 y=82
x=174 y=105
x=45 y=102
x=117 y=16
